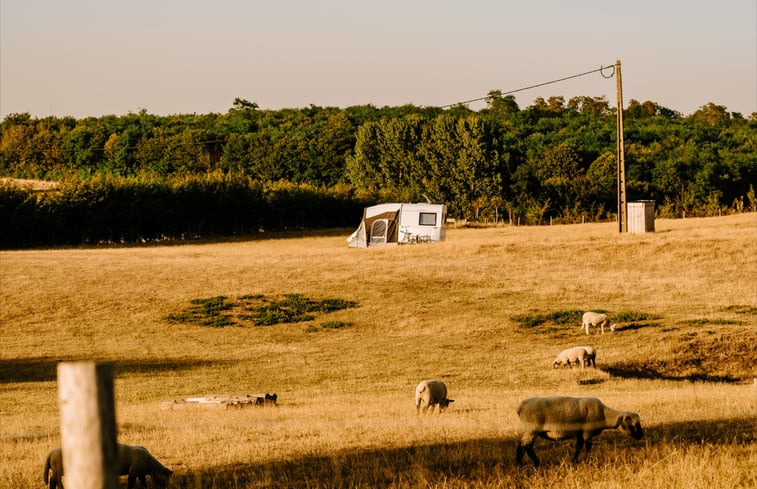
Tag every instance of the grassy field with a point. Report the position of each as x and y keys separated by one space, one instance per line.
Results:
x=486 y=311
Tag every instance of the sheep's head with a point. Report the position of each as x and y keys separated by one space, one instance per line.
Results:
x=160 y=476
x=630 y=424
x=612 y=327
x=445 y=404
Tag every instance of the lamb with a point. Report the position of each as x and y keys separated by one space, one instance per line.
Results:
x=134 y=461
x=563 y=418
x=429 y=393
x=598 y=320
x=576 y=355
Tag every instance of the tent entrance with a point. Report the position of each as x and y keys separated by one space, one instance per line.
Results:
x=379 y=231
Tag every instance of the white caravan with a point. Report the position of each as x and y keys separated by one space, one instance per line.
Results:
x=393 y=224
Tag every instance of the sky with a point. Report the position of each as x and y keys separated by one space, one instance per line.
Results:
x=85 y=58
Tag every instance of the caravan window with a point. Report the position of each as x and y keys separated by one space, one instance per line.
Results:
x=427 y=219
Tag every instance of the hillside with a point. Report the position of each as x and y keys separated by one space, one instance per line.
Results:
x=486 y=311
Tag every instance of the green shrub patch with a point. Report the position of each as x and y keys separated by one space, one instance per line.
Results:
x=555 y=322
x=715 y=321
x=631 y=316
x=739 y=309
x=335 y=325
x=258 y=310
x=570 y=316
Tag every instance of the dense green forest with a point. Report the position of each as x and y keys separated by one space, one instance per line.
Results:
x=552 y=159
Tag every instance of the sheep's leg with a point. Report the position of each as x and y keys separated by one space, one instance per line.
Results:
x=532 y=454
x=579 y=446
x=526 y=447
x=587 y=443
x=519 y=454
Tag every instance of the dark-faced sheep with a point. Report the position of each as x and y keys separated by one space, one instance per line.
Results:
x=134 y=461
x=598 y=320
x=564 y=418
x=429 y=393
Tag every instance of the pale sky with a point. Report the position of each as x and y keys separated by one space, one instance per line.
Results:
x=99 y=57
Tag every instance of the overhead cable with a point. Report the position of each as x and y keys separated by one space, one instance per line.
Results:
x=600 y=70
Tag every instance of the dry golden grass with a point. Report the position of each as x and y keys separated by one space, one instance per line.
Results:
x=346 y=416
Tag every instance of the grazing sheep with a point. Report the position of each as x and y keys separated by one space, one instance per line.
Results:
x=429 y=393
x=563 y=418
x=134 y=461
x=54 y=462
x=598 y=320
x=591 y=355
x=576 y=355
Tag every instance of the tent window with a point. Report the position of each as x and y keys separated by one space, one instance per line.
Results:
x=378 y=231
x=427 y=219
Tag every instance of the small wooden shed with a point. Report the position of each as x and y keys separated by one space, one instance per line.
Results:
x=641 y=217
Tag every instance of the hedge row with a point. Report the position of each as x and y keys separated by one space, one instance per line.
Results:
x=109 y=209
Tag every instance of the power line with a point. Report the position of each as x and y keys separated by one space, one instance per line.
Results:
x=600 y=70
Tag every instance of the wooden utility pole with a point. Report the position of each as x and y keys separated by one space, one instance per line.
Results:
x=620 y=157
x=88 y=425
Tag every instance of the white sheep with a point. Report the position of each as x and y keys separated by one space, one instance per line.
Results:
x=578 y=355
x=596 y=319
x=429 y=393
x=563 y=418
x=134 y=461
x=591 y=356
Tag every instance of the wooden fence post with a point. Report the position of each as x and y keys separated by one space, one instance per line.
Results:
x=88 y=425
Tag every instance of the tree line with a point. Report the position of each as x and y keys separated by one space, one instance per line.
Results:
x=553 y=159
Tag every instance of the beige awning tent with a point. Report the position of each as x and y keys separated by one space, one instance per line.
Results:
x=394 y=223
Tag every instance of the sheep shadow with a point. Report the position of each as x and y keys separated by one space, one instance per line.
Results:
x=633 y=326
x=648 y=372
x=420 y=465
x=477 y=462
x=45 y=369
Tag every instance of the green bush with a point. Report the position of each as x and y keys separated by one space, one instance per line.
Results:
x=570 y=316
x=632 y=316
x=258 y=310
